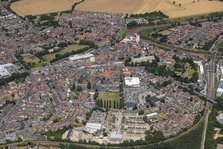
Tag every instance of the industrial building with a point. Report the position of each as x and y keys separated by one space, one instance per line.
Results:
x=96 y=123
x=6 y=70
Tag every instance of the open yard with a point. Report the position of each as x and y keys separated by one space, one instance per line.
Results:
x=37 y=7
x=73 y=47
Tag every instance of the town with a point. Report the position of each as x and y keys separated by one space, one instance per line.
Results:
x=84 y=75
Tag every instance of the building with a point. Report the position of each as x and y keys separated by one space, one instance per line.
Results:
x=93 y=128
x=82 y=56
x=143 y=59
x=132 y=81
x=96 y=123
x=220 y=88
x=6 y=70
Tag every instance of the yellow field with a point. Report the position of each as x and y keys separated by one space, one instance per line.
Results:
x=116 y=6
x=37 y=7
x=187 y=7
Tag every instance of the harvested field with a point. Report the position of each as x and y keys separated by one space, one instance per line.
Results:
x=181 y=8
x=187 y=7
x=116 y=6
x=37 y=7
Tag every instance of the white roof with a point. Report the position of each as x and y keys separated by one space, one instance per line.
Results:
x=80 y=56
x=132 y=81
x=92 y=127
x=3 y=69
x=151 y=114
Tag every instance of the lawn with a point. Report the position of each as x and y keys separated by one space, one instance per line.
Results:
x=109 y=96
x=32 y=59
x=109 y=99
x=147 y=33
x=189 y=71
x=73 y=47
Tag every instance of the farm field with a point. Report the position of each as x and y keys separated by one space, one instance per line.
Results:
x=37 y=7
x=187 y=7
x=181 y=8
x=73 y=47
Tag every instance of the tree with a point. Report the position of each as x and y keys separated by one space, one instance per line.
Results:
x=89 y=85
x=79 y=88
x=141 y=112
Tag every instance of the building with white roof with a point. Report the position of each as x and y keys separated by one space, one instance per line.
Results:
x=220 y=88
x=92 y=128
x=143 y=59
x=132 y=81
x=82 y=56
x=5 y=70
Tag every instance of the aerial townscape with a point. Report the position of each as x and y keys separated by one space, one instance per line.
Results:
x=111 y=74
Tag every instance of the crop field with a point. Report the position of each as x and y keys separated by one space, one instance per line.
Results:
x=172 y=8
x=181 y=8
x=37 y=7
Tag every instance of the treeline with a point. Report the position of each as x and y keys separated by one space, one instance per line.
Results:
x=46 y=48
x=91 y=44
x=13 y=77
x=61 y=56
x=207 y=46
x=150 y=16
x=21 y=61
x=44 y=20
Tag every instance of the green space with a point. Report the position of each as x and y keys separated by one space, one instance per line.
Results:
x=55 y=135
x=189 y=71
x=109 y=99
x=69 y=48
x=185 y=70
x=17 y=77
x=221 y=48
x=32 y=61
x=153 y=34
x=151 y=17
x=211 y=143
x=45 y=19
x=122 y=34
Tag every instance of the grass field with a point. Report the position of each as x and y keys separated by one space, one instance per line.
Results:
x=37 y=7
x=73 y=47
x=31 y=59
x=187 y=7
x=109 y=99
x=108 y=96
x=189 y=71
